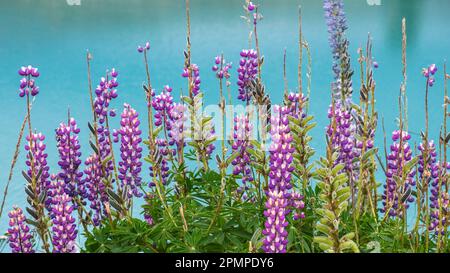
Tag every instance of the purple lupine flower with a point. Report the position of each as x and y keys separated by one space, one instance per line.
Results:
x=130 y=151
x=297 y=204
x=27 y=83
x=64 y=230
x=429 y=74
x=178 y=117
x=397 y=197
x=19 y=234
x=278 y=195
x=242 y=134
x=69 y=155
x=221 y=67
x=248 y=68
x=96 y=188
x=342 y=136
x=163 y=104
x=105 y=92
x=194 y=78
x=165 y=151
x=337 y=25
x=37 y=163
x=439 y=199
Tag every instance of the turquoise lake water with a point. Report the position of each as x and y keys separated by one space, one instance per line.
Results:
x=54 y=36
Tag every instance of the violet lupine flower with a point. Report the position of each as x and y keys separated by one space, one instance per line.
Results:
x=130 y=151
x=27 y=83
x=37 y=163
x=429 y=74
x=221 y=68
x=439 y=199
x=105 y=92
x=396 y=197
x=163 y=104
x=278 y=195
x=342 y=136
x=248 y=68
x=96 y=188
x=242 y=134
x=164 y=151
x=69 y=154
x=19 y=232
x=146 y=47
x=64 y=230
x=178 y=117
x=194 y=77
x=297 y=204
x=337 y=25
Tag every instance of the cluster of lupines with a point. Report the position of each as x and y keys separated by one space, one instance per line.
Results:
x=69 y=159
x=242 y=136
x=64 y=229
x=278 y=192
x=193 y=73
x=130 y=151
x=248 y=68
x=20 y=238
x=396 y=196
x=429 y=74
x=37 y=163
x=27 y=83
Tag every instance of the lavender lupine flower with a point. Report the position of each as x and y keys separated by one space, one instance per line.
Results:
x=278 y=195
x=241 y=145
x=297 y=204
x=19 y=234
x=195 y=78
x=164 y=150
x=69 y=154
x=64 y=230
x=337 y=25
x=341 y=135
x=96 y=188
x=37 y=163
x=429 y=74
x=439 y=199
x=248 y=68
x=163 y=104
x=221 y=67
x=105 y=92
x=27 y=83
x=130 y=151
x=397 y=197
x=178 y=117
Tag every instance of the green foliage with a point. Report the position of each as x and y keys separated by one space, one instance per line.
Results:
x=334 y=197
